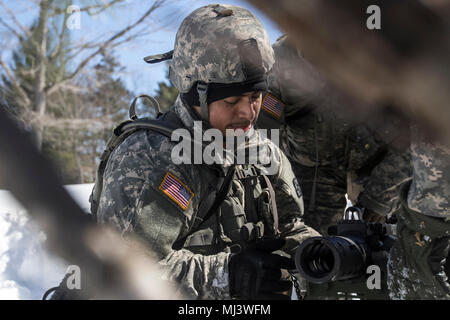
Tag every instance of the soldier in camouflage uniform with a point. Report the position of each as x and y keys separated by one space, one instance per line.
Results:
x=418 y=265
x=329 y=154
x=324 y=149
x=219 y=64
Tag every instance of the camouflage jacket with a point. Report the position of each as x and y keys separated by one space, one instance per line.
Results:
x=135 y=200
x=423 y=230
x=350 y=158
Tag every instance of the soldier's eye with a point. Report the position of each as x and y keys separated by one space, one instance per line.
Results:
x=256 y=96
x=231 y=102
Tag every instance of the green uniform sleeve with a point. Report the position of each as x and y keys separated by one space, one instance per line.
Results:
x=381 y=188
x=416 y=267
x=289 y=201
x=133 y=201
x=430 y=189
x=379 y=161
x=423 y=241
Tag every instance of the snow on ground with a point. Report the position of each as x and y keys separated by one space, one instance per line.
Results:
x=27 y=269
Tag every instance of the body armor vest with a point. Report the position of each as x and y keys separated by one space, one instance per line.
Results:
x=247 y=214
x=248 y=210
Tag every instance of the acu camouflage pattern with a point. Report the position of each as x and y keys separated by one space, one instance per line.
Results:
x=326 y=150
x=424 y=224
x=206 y=46
x=132 y=203
x=430 y=189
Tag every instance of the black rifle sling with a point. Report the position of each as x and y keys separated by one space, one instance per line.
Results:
x=223 y=191
x=220 y=196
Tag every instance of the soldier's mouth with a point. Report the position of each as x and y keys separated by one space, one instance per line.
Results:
x=245 y=129
x=242 y=126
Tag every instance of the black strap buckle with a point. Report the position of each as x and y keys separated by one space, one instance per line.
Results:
x=244 y=172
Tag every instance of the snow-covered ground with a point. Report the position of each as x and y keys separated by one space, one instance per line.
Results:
x=27 y=269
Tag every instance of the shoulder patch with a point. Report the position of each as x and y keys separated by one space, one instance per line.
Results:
x=176 y=190
x=272 y=105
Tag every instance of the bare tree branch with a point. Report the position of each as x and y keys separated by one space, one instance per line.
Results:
x=405 y=64
x=89 y=9
x=107 y=44
x=17 y=86
x=111 y=267
x=73 y=123
x=57 y=50
x=16 y=22
x=81 y=48
x=27 y=72
x=18 y=35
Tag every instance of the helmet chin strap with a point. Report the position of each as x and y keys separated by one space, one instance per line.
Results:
x=202 y=89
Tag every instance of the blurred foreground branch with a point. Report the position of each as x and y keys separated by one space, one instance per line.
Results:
x=405 y=64
x=113 y=268
x=47 y=61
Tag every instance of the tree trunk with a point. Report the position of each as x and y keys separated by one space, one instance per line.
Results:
x=78 y=160
x=40 y=78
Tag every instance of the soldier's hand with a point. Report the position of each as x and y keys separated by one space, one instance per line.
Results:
x=438 y=262
x=258 y=273
x=419 y=260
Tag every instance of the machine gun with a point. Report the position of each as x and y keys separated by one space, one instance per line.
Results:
x=345 y=254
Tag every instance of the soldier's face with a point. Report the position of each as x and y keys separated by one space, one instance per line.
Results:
x=236 y=112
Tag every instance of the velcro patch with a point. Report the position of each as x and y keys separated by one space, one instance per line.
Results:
x=298 y=190
x=176 y=190
x=272 y=105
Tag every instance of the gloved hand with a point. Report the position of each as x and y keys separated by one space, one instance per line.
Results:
x=438 y=261
x=418 y=266
x=257 y=273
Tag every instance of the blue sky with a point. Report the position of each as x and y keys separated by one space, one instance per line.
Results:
x=138 y=76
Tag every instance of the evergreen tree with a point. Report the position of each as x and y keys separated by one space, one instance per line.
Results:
x=79 y=116
x=166 y=94
x=100 y=105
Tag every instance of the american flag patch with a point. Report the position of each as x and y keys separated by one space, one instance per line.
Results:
x=272 y=105
x=176 y=190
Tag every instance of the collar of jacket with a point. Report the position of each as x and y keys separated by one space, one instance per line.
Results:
x=188 y=115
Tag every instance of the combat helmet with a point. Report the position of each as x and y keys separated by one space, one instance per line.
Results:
x=218 y=47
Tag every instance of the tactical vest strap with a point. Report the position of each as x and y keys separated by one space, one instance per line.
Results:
x=219 y=197
x=247 y=172
x=132 y=110
x=274 y=205
x=165 y=125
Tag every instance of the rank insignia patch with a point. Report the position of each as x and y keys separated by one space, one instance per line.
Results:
x=272 y=105
x=176 y=190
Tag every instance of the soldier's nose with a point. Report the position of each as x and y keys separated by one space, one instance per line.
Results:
x=246 y=109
